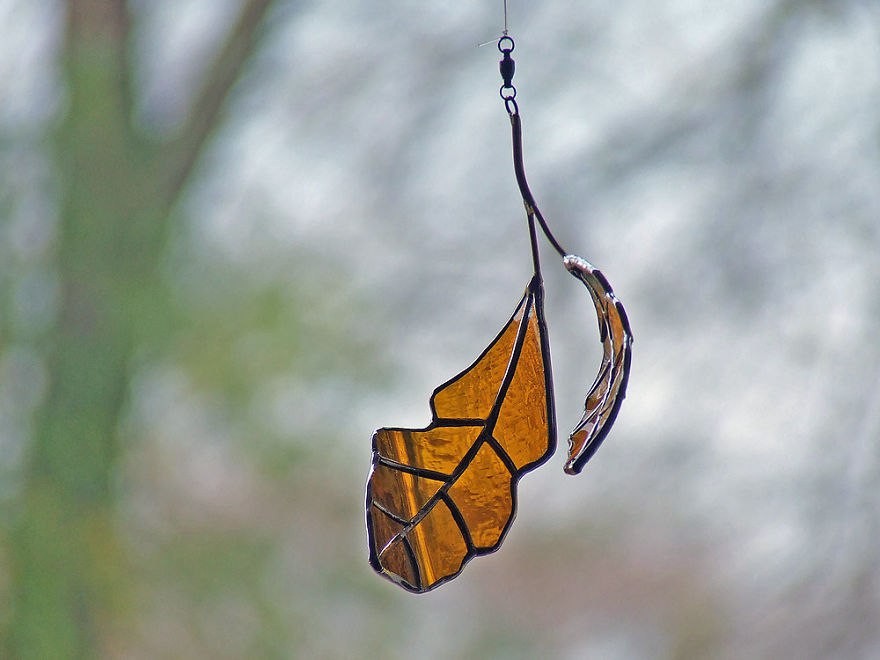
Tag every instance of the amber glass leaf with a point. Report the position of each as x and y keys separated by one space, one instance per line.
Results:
x=609 y=388
x=438 y=496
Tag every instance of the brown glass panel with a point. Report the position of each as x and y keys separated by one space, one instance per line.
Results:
x=619 y=329
x=473 y=393
x=384 y=528
x=439 y=449
x=522 y=427
x=401 y=493
x=577 y=443
x=483 y=496
x=396 y=561
x=439 y=546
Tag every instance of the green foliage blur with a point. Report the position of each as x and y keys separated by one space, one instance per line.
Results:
x=162 y=459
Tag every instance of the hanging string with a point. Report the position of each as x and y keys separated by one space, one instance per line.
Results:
x=504 y=32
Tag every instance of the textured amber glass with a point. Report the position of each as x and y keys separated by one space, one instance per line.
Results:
x=438 y=496
x=524 y=436
x=473 y=392
x=608 y=390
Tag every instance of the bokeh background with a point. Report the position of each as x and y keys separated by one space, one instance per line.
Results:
x=236 y=236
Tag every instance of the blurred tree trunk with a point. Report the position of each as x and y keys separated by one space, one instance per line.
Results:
x=116 y=193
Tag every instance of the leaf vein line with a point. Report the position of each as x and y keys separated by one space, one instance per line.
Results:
x=411 y=469
x=393 y=516
x=503 y=456
x=513 y=362
x=441 y=492
x=459 y=520
x=411 y=555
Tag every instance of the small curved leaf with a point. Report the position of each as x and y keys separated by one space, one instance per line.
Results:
x=609 y=389
x=438 y=496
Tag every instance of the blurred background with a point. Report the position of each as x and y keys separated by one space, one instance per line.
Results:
x=236 y=236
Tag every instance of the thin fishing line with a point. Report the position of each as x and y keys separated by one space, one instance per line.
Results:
x=504 y=32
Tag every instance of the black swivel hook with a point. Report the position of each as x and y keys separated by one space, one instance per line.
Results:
x=507 y=67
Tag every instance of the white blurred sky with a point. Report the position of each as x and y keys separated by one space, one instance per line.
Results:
x=718 y=161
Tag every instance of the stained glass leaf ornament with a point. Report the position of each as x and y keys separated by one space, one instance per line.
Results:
x=441 y=495
x=609 y=388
